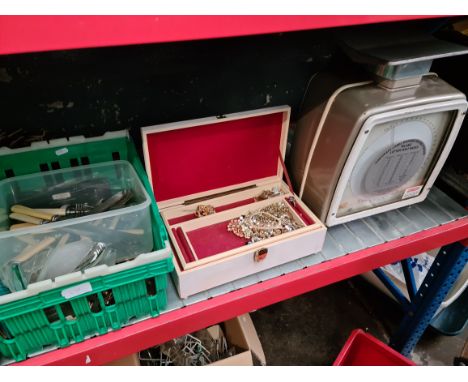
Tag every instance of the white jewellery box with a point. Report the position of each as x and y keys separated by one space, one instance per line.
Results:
x=218 y=183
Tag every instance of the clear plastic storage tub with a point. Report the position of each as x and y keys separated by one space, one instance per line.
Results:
x=45 y=251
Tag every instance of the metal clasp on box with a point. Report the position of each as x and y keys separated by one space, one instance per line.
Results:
x=260 y=254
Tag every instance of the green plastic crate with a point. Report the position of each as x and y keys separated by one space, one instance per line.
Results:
x=88 y=305
x=81 y=151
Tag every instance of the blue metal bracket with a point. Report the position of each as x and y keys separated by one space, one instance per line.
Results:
x=409 y=278
x=439 y=280
x=392 y=288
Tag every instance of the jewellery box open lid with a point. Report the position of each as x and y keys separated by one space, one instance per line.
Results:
x=201 y=157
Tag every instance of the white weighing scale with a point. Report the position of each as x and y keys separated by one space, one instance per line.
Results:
x=362 y=148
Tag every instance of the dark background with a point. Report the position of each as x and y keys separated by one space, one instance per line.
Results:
x=91 y=91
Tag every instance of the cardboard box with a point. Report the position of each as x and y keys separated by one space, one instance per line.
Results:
x=131 y=360
x=240 y=331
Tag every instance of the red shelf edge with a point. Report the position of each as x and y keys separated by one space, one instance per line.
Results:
x=115 y=345
x=25 y=34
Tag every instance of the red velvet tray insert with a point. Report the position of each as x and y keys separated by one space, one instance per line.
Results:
x=184 y=218
x=214 y=239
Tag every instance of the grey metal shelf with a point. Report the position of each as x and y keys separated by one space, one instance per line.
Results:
x=347 y=238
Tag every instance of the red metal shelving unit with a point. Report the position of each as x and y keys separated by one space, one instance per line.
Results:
x=21 y=34
x=103 y=349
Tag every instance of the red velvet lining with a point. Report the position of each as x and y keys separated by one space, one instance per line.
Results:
x=183 y=245
x=235 y=204
x=181 y=219
x=176 y=257
x=214 y=239
x=184 y=218
x=202 y=158
x=300 y=211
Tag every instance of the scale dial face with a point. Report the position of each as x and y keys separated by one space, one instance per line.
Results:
x=395 y=161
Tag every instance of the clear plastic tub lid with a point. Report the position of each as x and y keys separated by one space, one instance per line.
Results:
x=63 y=186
